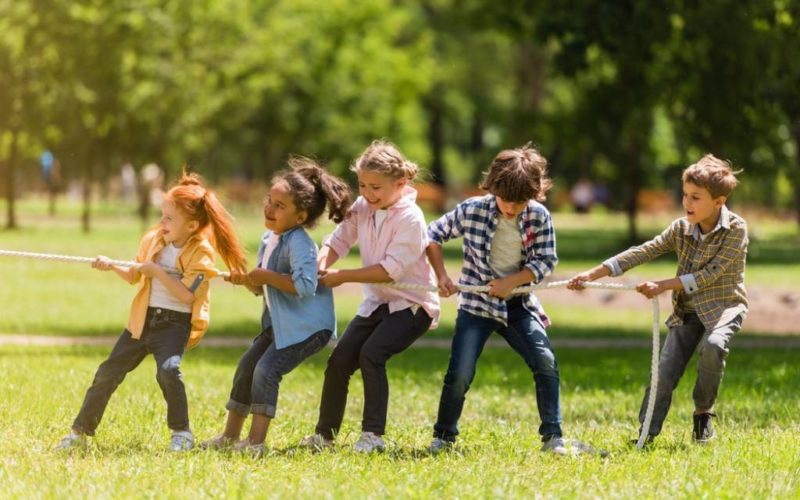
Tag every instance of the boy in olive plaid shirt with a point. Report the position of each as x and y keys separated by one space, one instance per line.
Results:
x=708 y=294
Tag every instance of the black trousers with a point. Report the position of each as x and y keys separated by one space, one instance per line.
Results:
x=165 y=335
x=367 y=343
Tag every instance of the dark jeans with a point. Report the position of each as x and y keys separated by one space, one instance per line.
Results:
x=681 y=343
x=367 y=343
x=526 y=335
x=262 y=367
x=165 y=335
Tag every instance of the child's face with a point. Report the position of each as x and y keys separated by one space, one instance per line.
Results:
x=510 y=209
x=380 y=191
x=280 y=212
x=700 y=207
x=176 y=227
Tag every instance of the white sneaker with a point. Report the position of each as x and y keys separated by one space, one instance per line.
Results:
x=181 y=441
x=554 y=445
x=72 y=440
x=439 y=445
x=369 y=442
x=315 y=442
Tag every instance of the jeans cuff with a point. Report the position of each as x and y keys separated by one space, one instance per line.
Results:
x=242 y=410
x=264 y=409
x=82 y=429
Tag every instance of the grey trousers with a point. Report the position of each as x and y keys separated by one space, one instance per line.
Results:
x=678 y=349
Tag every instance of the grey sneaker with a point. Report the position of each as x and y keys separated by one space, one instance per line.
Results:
x=439 y=445
x=72 y=440
x=315 y=442
x=554 y=444
x=219 y=442
x=369 y=442
x=181 y=441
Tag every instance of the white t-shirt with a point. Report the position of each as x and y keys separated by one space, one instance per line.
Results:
x=159 y=295
x=380 y=216
x=505 y=258
x=271 y=244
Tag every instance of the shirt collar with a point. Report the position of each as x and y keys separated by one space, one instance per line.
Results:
x=723 y=222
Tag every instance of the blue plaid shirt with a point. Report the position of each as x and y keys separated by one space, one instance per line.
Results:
x=476 y=221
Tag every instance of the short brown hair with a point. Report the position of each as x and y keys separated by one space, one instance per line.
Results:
x=518 y=175
x=384 y=158
x=712 y=174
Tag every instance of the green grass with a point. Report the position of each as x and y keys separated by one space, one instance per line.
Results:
x=755 y=456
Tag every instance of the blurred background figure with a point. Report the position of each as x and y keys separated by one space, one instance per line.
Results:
x=582 y=195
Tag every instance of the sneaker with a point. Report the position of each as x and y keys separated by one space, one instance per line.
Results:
x=72 y=440
x=219 y=442
x=439 y=445
x=254 y=450
x=315 y=442
x=703 y=431
x=554 y=444
x=181 y=441
x=369 y=442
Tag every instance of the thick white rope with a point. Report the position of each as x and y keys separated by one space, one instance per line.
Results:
x=429 y=288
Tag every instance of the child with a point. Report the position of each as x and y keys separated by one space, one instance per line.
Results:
x=389 y=228
x=298 y=317
x=509 y=241
x=708 y=294
x=171 y=309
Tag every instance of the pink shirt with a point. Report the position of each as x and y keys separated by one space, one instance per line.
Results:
x=399 y=248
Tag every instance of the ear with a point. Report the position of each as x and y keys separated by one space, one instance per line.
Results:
x=401 y=182
x=193 y=226
x=302 y=217
x=719 y=201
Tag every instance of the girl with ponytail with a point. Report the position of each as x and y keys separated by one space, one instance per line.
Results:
x=170 y=311
x=390 y=231
x=297 y=318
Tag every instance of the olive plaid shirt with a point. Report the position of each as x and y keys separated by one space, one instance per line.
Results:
x=711 y=269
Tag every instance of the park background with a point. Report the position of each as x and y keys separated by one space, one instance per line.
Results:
x=103 y=102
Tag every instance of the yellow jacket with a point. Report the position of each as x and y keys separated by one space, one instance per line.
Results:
x=196 y=263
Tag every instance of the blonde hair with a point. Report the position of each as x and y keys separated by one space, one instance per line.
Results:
x=712 y=174
x=518 y=175
x=384 y=158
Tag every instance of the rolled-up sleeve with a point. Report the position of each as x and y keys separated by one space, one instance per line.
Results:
x=200 y=270
x=543 y=259
x=408 y=244
x=303 y=262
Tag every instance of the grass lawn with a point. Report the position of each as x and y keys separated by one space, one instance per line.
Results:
x=755 y=455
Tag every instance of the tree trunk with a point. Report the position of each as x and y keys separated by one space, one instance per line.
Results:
x=11 y=216
x=795 y=177
x=88 y=169
x=436 y=139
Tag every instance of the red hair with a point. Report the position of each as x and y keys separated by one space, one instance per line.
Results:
x=192 y=198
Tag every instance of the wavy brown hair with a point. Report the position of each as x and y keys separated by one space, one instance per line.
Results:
x=518 y=175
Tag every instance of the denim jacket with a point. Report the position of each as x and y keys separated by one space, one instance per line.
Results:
x=294 y=318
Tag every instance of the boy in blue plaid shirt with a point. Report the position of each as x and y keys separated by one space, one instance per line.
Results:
x=509 y=241
x=708 y=295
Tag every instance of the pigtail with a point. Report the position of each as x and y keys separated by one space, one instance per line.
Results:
x=313 y=188
x=224 y=236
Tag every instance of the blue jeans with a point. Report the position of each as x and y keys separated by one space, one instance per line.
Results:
x=527 y=336
x=165 y=334
x=261 y=369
